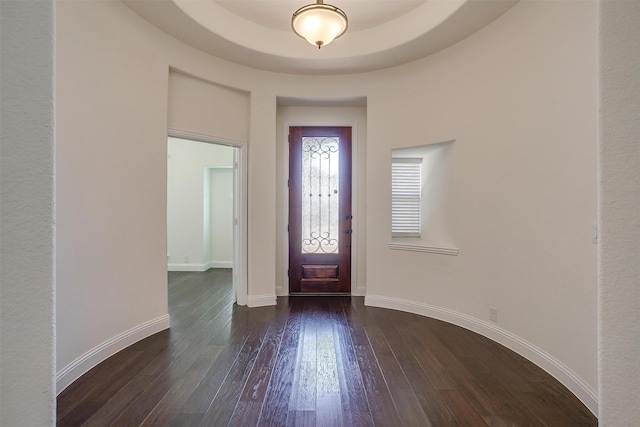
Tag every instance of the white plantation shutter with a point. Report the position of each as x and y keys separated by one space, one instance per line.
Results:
x=405 y=197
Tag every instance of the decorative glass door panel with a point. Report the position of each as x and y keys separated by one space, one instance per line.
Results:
x=320 y=201
x=319 y=210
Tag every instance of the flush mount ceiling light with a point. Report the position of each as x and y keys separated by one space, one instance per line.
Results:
x=319 y=23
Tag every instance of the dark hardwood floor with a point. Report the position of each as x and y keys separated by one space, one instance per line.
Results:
x=311 y=361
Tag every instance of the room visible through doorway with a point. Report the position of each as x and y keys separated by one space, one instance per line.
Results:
x=202 y=205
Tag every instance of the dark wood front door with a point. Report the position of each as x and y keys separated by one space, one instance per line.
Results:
x=319 y=210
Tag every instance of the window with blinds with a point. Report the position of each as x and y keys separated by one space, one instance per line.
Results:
x=405 y=197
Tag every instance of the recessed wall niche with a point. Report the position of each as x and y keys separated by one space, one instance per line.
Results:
x=436 y=235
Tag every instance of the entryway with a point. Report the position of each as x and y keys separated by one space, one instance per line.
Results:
x=320 y=210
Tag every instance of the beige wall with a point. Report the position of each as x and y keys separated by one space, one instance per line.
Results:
x=619 y=192
x=111 y=155
x=519 y=98
x=200 y=107
x=27 y=214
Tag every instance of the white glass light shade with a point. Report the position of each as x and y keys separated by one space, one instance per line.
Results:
x=319 y=23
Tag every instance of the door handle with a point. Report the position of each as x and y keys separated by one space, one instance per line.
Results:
x=348 y=231
x=348 y=217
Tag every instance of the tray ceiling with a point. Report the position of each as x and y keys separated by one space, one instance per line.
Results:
x=382 y=33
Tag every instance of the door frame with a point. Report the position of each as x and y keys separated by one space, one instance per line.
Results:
x=240 y=284
x=283 y=286
x=330 y=273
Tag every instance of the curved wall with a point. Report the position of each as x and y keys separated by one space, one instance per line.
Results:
x=518 y=97
x=111 y=195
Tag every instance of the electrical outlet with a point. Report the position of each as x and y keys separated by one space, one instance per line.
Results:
x=493 y=314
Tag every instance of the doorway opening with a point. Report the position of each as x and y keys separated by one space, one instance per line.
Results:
x=205 y=208
x=320 y=215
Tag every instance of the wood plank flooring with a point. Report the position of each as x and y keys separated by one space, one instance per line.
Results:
x=311 y=361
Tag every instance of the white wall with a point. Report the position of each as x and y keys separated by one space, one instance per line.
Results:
x=111 y=195
x=193 y=234
x=27 y=270
x=519 y=98
x=619 y=207
x=221 y=218
x=201 y=107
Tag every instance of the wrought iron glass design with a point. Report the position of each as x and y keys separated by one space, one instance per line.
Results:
x=320 y=201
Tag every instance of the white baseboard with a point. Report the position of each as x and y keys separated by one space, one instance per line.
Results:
x=186 y=267
x=220 y=264
x=524 y=348
x=261 y=300
x=359 y=292
x=200 y=267
x=84 y=363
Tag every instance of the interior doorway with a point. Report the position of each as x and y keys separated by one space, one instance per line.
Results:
x=204 y=207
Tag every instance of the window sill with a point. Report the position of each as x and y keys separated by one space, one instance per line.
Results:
x=423 y=248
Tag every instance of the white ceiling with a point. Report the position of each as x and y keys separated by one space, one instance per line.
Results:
x=362 y=14
x=382 y=33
